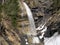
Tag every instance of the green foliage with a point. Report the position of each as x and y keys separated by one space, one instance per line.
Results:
x=56 y=3
x=0 y=8
x=0 y=11
x=11 y=9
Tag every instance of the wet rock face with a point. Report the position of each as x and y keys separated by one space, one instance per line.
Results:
x=40 y=7
x=39 y=4
x=43 y=6
x=52 y=29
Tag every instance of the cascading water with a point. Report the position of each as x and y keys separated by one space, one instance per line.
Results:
x=32 y=25
x=31 y=20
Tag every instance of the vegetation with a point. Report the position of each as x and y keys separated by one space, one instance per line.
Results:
x=0 y=11
x=56 y=3
x=11 y=9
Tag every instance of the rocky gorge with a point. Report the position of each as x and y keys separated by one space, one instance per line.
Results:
x=14 y=23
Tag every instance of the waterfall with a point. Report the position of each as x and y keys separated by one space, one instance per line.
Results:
x=30 y=18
